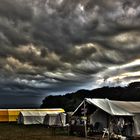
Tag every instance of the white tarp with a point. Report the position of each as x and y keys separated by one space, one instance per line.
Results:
x=107 y=106
x=136 y=119
x=133 y=107
x=99 y=116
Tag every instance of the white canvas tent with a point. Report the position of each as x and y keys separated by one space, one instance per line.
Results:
x=103 y=108
x=31 y=117
x=36 y=116
x=57 y=119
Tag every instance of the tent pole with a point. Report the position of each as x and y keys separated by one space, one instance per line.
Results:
x=85 y=121
x=109 y=119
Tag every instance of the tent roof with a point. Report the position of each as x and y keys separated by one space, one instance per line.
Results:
x=40 y=109
x=133 y=107
x=41 y=112
x=33 y=113
x=108 y=106
x=15 y=112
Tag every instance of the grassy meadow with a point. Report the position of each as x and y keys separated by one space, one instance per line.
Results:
x=13 y=131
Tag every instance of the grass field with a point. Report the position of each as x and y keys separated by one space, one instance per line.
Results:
x=11 y=131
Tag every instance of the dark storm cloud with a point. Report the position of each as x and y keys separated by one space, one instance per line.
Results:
x=15 y=10
x=59 y=45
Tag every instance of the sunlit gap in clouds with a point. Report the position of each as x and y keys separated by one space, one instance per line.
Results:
x=118 y=75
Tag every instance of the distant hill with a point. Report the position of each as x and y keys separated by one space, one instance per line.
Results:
x=71 y=100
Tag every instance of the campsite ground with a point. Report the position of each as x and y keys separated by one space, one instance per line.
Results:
x=11 y=131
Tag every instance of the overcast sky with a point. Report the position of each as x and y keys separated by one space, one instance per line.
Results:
x=52 y=47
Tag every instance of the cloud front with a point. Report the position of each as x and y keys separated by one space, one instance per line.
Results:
x=57 y=46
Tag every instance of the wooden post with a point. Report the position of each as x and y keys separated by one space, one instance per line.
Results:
x=85 y=121
x=68 y=130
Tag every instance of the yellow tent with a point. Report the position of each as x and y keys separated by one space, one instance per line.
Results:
x=4 y=115
x=11 y=115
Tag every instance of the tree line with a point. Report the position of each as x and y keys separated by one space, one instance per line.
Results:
x=70 y=101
